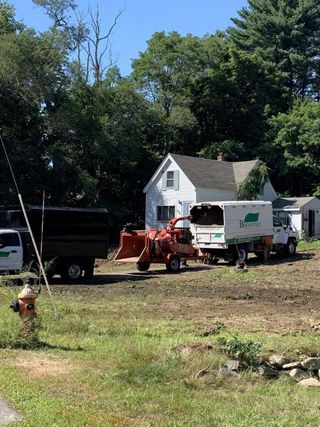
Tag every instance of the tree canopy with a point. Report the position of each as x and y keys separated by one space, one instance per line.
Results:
x=73 y=125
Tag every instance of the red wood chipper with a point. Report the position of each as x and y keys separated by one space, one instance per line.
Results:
x=169 y=246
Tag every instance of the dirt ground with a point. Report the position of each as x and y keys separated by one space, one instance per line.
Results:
x=279 y=298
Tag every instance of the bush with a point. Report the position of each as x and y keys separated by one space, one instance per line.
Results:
x=245 y=350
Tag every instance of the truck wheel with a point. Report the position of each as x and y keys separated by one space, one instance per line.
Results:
x=143 y=266
x=290 y=248
x=242 y=255
x=173 y=265
x=72 y=271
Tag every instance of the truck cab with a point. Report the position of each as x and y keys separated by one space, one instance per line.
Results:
x=285 y=237
x=11 y=251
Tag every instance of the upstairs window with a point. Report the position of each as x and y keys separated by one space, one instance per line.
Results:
x=170 y=180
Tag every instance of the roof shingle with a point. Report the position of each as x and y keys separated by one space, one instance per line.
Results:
x=214 y=174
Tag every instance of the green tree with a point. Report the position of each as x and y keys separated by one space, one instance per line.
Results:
x=31 y=79
x=286 y=34
x=232 y=100
x=297 y=144
x=163 y=72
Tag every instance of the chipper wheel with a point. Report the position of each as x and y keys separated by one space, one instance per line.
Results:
x=173 y=265
x=143 y=266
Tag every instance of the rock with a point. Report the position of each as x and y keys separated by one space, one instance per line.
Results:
x=310 y=382
x=292 y=365
x=312 y=363
x=278 y=361
x=225 y=372
x=233 y=365
x=7 y=415
x=267 y=372
x=299 y=374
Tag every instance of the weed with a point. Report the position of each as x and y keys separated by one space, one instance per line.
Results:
x=245 y=350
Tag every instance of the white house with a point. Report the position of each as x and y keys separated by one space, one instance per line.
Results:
x=302 y=212
x=181 y=181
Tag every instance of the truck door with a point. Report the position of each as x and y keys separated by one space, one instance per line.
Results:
x=280 y=236
x=10 y=251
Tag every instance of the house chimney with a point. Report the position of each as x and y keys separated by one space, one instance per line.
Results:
x=220 y=157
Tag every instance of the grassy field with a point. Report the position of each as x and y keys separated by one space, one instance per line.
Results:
x=115 y=358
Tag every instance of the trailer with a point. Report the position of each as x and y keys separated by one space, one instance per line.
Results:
x=170 y=246
x=72 y=239
x=232 y=229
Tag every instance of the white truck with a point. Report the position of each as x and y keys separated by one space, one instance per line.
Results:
x=11 y=252
x=232 y=229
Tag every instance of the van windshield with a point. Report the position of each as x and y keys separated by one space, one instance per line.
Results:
x=207 y=215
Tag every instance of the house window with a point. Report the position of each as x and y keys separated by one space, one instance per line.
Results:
x=170 y=179
x=165 y=213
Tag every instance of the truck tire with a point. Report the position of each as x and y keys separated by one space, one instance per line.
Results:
x=241 y=255
x=290 y=248
x=72 y=271
x=143 y=266
x=173 y=265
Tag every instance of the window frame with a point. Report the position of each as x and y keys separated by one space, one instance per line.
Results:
x=165 y=213
x=170 y=179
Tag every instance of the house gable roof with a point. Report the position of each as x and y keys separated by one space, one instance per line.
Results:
x=291 y=202
x=214 y=174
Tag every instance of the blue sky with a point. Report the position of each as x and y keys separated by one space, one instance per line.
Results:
x=141 y=18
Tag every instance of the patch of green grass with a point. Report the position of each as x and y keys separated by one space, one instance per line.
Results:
x=305 y=245
x=124 y=367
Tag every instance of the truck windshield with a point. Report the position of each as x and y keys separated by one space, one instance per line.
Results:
x=9 y=239
x=207 y=215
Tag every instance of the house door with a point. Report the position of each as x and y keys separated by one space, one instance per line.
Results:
x=311 y=224
x=185 y=210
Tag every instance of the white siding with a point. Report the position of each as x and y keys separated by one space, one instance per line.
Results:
x=268 y=193
x=296 y=221
x=313 y=205
x=204 y=195
x=156 y=196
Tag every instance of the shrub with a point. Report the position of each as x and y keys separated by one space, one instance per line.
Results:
x=245 y=350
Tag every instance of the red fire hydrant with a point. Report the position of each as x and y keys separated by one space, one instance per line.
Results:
x=26 y=307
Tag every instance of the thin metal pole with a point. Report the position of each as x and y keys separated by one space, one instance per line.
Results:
x=42 y=222
x=41 y=235
x=30 y=230
x=38 y=256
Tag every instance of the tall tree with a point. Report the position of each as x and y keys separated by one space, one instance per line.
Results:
x=232 y=99
x=31 y=81
x=296 y=149
x=163 y=72
x=286 y=34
